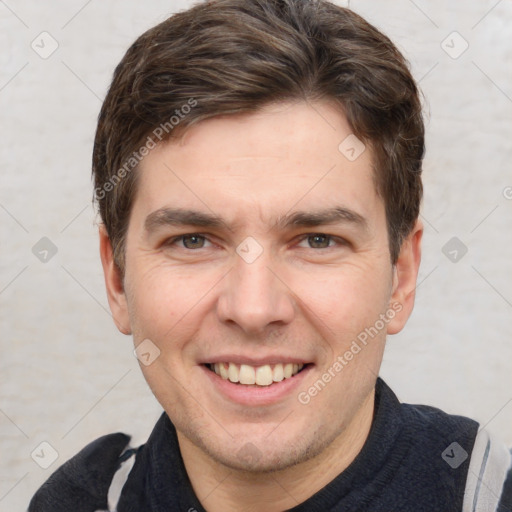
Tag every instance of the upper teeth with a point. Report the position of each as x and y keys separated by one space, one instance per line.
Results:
x=261 y=375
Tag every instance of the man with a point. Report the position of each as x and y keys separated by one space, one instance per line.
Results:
x=257 y=166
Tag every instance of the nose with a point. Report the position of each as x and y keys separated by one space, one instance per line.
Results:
x=254 y=297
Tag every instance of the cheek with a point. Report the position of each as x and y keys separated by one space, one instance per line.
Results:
x=345 y=300
x=165 y=299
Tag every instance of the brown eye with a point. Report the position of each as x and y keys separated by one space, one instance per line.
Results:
x=193 y=241
x=319 y=241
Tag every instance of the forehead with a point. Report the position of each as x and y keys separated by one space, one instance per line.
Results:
x=262 y=165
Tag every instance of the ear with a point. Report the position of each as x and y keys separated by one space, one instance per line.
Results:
x=114 y=284
x=405 y=274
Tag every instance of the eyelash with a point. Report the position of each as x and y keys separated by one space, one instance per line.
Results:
x=173 y=241
x=331 y=238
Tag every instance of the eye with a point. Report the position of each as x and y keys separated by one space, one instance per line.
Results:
x=190 y=241
x=317 y=241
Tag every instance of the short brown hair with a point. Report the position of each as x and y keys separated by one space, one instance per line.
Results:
x=237 y=56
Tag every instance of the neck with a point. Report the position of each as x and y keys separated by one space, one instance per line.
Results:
x=220 y=488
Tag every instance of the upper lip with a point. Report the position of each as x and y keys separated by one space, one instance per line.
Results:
x=254 y=361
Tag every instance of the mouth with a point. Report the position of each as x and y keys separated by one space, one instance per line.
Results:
x=256 y=376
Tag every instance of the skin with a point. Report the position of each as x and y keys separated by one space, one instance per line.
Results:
x=303 y=297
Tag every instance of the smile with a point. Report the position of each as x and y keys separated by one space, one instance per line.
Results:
x=250 y=375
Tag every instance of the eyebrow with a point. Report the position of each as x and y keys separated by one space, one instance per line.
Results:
x=327 y=216
x=181 y=217
x=185 y=217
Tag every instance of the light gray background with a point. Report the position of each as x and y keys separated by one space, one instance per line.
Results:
x=68 y=376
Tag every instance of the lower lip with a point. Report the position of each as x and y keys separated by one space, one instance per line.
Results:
x=257 y=395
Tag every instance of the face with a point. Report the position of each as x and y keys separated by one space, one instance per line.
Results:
x=258 y=276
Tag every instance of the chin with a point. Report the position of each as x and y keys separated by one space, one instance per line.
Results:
x=263 y=452
x=250 y=459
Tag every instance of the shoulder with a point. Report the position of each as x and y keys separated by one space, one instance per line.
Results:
x=435 y=427
x=505 y=503
x=82 y=483
x=460 y=443
x=429 y=418
x=426 y=426
x=489 y=481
